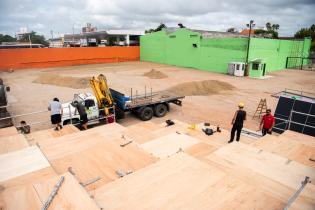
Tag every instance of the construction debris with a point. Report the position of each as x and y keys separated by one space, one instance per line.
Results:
x=90 y=181
x=53 y=193
x=297 y=193
x=121 y=173
x=125 y=141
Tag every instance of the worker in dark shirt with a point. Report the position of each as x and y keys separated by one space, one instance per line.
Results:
x=237 y=122
x=24 y=128
x=267 y=123
x=83 y=116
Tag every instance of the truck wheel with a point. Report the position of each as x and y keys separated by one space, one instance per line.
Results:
x=120 y=114
x=160 y=110
x=146 y=113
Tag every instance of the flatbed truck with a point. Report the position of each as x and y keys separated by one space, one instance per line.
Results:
x=112 y=104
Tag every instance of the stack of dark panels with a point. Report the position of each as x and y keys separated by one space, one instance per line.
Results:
x=300 y=122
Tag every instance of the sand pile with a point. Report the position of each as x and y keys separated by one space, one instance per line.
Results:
x=154 y=74
x=206 y=87
x=54 y=79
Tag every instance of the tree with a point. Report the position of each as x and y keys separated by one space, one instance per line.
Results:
x=181 y=25
x=6 y=38
x=35 y=39
x=159 y=28
x=272 y=30
x=231 y=30
x=275 y=27
x=307 y=32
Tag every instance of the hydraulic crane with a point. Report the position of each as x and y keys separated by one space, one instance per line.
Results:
x=103 y=95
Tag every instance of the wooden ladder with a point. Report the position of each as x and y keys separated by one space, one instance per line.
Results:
x=261 y=108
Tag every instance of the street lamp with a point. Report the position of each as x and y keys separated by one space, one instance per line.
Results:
x=29 y=39
x=250 y=25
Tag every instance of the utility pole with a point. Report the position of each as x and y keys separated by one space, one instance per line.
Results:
x=52 y=37
x=73 y=35
x=250 y=25
x=29 y=38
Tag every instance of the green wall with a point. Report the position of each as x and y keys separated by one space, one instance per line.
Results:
x=189 y=49
x=217 y=53
x=274 y=52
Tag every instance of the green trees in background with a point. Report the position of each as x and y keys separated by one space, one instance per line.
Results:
x=7 y=38
x=272 y=30
x=35 y=39
x=232 y=30
x=159 y=28
x=307 y=32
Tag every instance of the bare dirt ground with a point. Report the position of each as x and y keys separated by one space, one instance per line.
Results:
x=210 y=97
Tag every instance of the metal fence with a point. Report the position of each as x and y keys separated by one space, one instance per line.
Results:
x=302 y=63
x=44 y=120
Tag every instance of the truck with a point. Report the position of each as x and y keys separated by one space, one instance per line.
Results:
x=107 y=105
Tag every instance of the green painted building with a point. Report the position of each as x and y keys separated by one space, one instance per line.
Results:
x=213 y=51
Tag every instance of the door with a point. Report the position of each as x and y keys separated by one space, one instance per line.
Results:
x=264 y=69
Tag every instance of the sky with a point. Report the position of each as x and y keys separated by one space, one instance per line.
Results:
x=62 y=16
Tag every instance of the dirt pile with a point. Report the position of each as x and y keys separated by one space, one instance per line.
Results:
x=206 y=87
x=154 y=74
x=54 y=79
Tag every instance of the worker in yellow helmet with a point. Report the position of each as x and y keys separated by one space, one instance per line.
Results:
x=237 y=122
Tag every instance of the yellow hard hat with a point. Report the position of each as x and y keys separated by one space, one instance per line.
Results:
x=241 y=104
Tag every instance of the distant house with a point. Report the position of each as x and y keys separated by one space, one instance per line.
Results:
x=246 y=32
x=103 y=38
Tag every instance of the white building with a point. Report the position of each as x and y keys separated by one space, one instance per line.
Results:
x=20 y=34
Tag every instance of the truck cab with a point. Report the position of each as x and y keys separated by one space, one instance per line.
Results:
x=70 y=113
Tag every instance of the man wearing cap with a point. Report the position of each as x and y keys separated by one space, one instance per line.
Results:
x=237 y=122
x=267 y=122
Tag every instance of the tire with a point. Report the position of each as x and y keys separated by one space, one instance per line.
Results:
x=146 y=113
x=120 y=114
x=160 y=110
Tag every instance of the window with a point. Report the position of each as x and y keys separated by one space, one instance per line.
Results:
x=255 y=66
x=172 y=36
x=194 y=45
x=237 y=66
x=193 y=35
x=89 y=103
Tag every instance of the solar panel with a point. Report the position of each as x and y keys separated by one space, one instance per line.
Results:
x=295 y=114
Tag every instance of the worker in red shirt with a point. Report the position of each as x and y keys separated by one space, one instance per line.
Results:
x=267 y=123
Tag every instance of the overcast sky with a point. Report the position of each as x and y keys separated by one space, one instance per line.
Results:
x=60 y=16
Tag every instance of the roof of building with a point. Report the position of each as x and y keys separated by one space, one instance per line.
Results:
x=207 y=34
x=246 y=31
